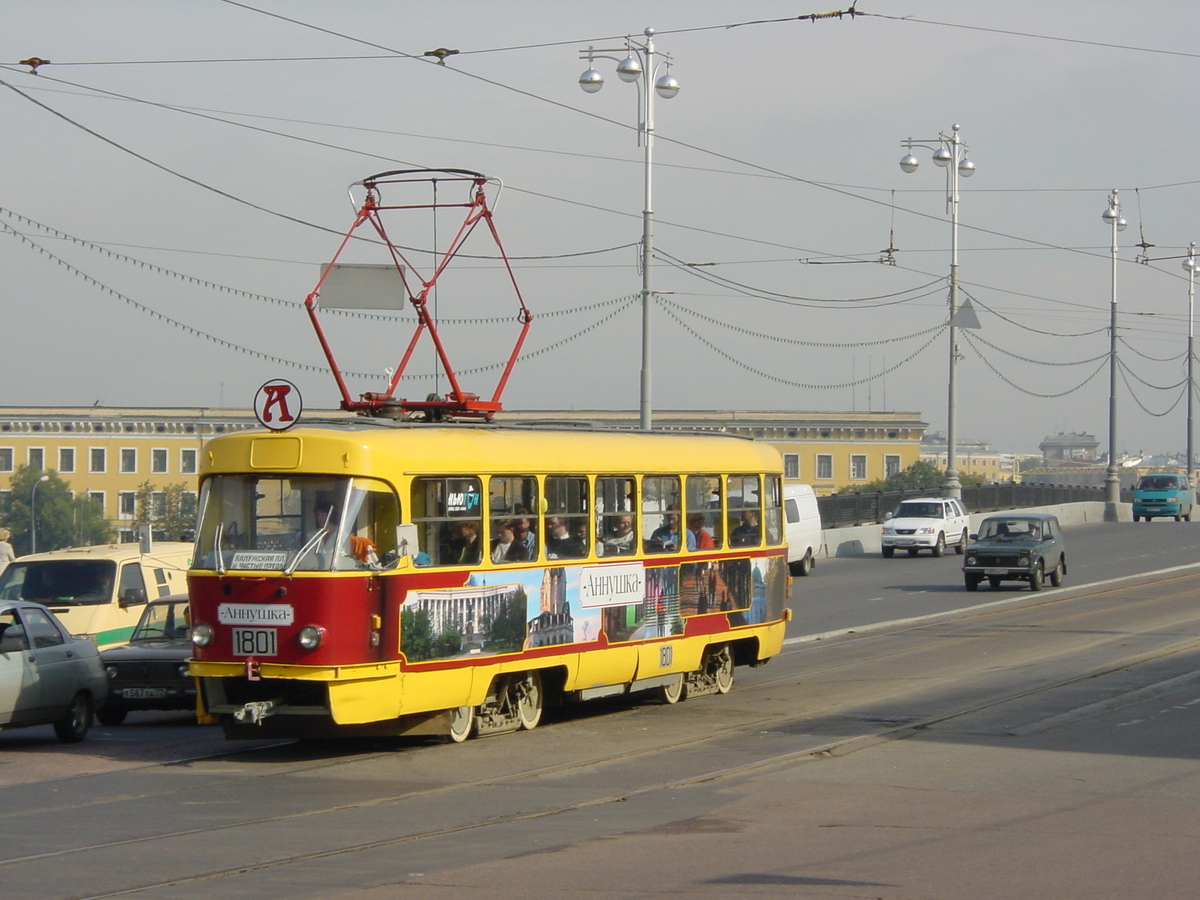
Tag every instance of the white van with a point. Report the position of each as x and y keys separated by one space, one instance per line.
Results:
x=99 y=592
x=803 y=527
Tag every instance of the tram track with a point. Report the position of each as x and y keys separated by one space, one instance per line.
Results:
x=810 y=674
x=825 y=750
x=869 y=737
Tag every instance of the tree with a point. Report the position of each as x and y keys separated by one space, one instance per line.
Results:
x=171 y=511
x=920 y=476
x=62 y=521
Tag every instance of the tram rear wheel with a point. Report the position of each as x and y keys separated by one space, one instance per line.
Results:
x=721 y=665
x=462 y=724
x=527 y=692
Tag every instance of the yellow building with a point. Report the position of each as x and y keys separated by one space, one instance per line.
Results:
x=108 y=453
x=829 y=450
x=971 y=457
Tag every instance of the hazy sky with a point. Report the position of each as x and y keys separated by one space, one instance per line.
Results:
x=187 y=163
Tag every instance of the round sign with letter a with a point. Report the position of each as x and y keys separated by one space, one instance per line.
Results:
x=278 y=404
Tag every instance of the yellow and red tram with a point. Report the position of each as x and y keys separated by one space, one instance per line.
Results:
x=374 y=577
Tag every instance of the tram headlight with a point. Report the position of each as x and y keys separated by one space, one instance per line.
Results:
x=310 y=636
x=202 y=634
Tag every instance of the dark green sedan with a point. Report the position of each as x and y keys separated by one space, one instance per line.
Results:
x=1016 y=547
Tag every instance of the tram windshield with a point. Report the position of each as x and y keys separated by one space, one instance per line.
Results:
x=296 y=523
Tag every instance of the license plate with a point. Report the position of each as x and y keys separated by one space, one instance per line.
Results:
x=255 y=641
x=995 y=571
x=145 y=693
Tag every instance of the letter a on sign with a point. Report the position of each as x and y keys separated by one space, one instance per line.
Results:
x=278 y=405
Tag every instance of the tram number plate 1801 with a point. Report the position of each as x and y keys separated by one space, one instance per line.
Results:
x=255 y=641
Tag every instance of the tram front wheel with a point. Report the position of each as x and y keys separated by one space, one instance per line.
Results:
x=671 y=692
x=527 y=693
x=462 y=724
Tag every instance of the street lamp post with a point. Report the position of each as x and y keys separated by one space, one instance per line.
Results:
x=950 y=153
x=640 y=58
x=1189 y=266
x=33 y=514
x=1112 y=479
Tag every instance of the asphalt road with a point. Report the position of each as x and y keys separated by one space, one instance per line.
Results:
x=1046 y=746
x=843 y=594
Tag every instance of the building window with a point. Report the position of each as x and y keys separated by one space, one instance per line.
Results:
x=791 y=465
x=824 y=466
x=858 y=466
x=6 y=459
x=37 y=458
x=97 y=460
x=126 y=504
x=128 y=460
x=891 y=465
x=187 y=505
x=187 y=462
x=158 y=504
x=158 y=462
x=66 y=459
x=98 y=497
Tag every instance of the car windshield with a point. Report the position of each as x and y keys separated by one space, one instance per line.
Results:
x=162 y=621
x=305 y=522
x=913 y=510
x=1158 y=483
x=60 y=582
x=1011 y=529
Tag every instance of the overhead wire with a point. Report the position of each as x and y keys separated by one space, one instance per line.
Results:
x=789 y=382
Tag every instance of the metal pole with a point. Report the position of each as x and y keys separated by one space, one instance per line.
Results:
x=647 y=89
x=1191 y=385
x=1112 y=481
x=953 y=487
x=33 y=514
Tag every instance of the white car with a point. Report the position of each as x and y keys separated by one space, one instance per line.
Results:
x=927 y=523
x=47 y=677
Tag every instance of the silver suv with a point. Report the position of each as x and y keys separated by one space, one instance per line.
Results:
x=927 y=523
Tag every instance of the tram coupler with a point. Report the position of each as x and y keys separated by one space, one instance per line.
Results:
x=254 y=712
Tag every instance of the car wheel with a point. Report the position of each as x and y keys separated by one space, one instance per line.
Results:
x=913 y=551
x=889 y=552
x=962 y=544
x=1035 y=576
x=994 y=581
x=73 y=727
x=940 y=547
x=801 y=566
x=1056 y=576
x=1178 y=518
x=112 y=714
x=972 y=582
x=1137 y=518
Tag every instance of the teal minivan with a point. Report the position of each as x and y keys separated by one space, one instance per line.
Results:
x=1163 y=494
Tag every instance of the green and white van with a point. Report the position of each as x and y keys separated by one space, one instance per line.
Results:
x=98 y=592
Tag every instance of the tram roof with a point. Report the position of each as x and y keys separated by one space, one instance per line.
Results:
x=371 y=448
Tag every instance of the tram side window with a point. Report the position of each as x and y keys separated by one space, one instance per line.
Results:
x=566 y=517
x=448 y=513
x=772 y=510
x=513 y=512
x=616 y=518
x=745 y=510
x=370 y=539
x=662 y=528
x=704 y=511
